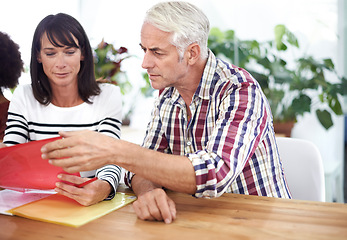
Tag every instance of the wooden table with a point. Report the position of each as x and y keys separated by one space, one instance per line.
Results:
x=231 y=216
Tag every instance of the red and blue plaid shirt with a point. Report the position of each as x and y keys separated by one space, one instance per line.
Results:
x=229 y=139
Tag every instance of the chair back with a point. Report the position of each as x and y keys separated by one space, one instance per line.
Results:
x=303 y=168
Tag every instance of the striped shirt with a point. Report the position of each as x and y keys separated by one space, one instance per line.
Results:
x=28 y=120
x=229 y=139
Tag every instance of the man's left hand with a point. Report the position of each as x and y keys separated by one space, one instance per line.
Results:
x=155 y=205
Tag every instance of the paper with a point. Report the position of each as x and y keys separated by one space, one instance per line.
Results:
x=10 y=199
x=23 y=168
x=65 y=211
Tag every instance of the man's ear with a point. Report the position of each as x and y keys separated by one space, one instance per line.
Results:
x=194 y=53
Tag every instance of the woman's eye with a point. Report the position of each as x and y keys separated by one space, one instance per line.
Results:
x=70 y=52
x=49 y=54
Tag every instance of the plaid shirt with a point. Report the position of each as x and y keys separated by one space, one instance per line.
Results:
x=229 y=139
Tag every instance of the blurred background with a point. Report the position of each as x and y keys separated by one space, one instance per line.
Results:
x=320 y=27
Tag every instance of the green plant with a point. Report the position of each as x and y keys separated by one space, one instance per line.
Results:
x=107 y=65
x=292 y=88
x=107 y=68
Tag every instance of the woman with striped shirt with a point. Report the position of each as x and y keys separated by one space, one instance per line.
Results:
x=64 y=96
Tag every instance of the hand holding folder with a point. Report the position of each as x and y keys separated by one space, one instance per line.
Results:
x=23 y=168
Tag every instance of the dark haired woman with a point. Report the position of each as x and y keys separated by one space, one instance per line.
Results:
x=64 y=96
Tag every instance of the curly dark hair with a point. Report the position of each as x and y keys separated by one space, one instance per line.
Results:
x=11 y=64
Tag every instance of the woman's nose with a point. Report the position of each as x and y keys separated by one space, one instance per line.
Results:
x=60 y=61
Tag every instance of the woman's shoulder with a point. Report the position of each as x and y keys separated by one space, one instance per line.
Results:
x=109 y=94
x=23 y=97
x=107 y=88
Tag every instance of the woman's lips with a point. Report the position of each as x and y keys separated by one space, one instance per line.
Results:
x=61 y=75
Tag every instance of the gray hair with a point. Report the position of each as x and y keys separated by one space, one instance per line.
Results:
x=187 y=24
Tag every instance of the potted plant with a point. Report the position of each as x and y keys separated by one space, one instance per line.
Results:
x=107 y=68
x=291 y=89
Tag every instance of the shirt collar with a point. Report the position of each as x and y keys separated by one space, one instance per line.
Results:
x=205 y=85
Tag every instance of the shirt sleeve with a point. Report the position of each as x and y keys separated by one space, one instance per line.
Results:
x=17 y=125
x=111 y=126
x=241 y=122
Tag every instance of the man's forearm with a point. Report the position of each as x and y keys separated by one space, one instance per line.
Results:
x=170 y=171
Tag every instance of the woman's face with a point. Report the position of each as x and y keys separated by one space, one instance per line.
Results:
x=60 y=64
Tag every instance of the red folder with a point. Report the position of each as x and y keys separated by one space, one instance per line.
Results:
x=21 y=167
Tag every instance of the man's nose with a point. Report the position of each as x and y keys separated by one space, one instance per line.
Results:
x=147 y=61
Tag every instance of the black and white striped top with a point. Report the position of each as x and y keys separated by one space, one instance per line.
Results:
x=28 y=120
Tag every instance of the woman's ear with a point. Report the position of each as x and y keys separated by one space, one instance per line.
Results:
x=38 y=58
x=193 y=53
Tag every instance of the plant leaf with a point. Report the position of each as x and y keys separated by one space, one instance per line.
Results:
x=328 y=63
x=324 y=118
x=301 y=104
x=335 y=105
x=279 y=33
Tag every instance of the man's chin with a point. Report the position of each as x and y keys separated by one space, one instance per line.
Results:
x=154 y=85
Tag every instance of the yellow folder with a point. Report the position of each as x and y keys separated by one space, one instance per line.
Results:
x=62 y=210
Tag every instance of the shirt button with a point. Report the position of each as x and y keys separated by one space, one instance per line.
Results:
x=189 y=143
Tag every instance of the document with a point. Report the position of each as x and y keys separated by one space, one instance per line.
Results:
x=10 y=199
x=23 y=168
x=29 y=182
x=65 y=211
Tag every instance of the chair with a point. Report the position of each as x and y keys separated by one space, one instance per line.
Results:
x=333 y=172
x=303 y=168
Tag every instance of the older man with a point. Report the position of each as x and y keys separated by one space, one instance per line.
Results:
x=211 y=129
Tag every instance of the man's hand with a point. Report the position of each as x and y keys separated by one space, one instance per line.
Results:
x=80 y=151
x=90 y=194
x=155 y=205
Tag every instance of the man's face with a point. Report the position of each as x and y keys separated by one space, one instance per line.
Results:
x=161 y=59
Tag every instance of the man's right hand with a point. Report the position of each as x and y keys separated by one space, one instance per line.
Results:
x=155 y=205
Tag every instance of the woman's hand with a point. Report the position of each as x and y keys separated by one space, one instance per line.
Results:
x=2 y=145
x=90 y=194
